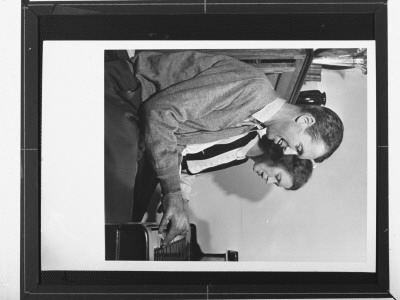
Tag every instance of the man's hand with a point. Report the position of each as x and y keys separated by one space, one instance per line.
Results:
x=176 y=215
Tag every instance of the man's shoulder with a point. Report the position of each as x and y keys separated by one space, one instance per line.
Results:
x=260 y=83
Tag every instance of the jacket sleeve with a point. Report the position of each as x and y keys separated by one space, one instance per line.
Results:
x=158 y=71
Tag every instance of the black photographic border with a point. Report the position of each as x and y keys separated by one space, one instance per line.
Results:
x=194 y=20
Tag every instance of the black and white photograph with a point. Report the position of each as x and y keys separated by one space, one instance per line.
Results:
x=253 y=157
x=199 y=149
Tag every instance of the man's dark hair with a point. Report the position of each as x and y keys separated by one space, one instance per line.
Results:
x=328 y=127
x=299 y=169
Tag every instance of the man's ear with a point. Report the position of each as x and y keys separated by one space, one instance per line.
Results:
x=305 y=119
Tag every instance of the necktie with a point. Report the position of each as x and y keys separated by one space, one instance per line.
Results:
x=251 y=121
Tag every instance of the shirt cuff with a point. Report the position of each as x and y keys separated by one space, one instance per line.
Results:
x=186 y=185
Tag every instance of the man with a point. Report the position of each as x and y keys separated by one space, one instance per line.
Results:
x=195 y=98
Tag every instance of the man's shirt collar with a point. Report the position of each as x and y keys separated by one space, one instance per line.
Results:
x=267 y=112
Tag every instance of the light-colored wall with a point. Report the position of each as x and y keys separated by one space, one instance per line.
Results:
x=326 y=220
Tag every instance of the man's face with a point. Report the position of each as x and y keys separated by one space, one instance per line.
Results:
x=291 y=136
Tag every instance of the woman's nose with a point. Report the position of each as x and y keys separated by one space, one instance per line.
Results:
x=272 y=180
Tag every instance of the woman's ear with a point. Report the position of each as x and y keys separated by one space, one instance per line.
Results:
x=305 y=119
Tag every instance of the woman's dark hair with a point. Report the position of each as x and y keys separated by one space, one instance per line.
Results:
x=273 y=151
x=299 y=169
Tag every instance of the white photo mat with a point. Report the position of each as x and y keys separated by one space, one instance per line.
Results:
x=72 y=191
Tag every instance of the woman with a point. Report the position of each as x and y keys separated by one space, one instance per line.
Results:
x=289 y=172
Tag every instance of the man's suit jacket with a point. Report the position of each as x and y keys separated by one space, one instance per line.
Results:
x=191 y=97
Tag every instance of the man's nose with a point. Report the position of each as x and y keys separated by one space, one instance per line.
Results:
x=289 y=151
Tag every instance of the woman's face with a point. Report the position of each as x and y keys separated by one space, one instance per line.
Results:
x=272 y=172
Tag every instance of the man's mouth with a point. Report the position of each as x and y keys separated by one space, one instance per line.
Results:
x=282 y=143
